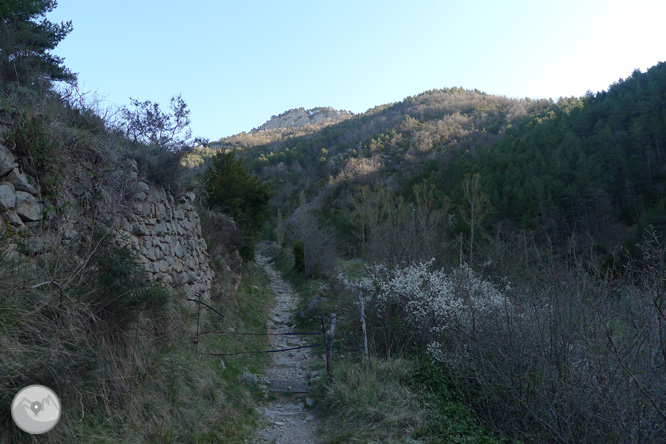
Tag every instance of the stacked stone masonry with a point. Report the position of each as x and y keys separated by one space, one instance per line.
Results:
x=164 y=232
x=19 y=196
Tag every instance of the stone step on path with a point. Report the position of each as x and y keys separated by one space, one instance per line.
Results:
x=287 y=419
x=281 y=413
x=288 y=386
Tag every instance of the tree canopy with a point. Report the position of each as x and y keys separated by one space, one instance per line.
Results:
x=588 y=163
x=240 y=194
x=147 y=123
x=26 y=39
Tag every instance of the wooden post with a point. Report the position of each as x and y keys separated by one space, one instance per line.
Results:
x=280 y=228
x=365 y=335
x=198 y=320
x=329 y=346
x=323 y=335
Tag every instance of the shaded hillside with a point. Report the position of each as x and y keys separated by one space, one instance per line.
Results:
x=594 y=165
x=487 y=255
x=104 y=255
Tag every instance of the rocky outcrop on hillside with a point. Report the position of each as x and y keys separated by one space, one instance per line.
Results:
x=163 y=231
x=303 y=117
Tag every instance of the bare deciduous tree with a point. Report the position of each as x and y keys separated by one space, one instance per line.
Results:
x=476 y=209
x=147 y=123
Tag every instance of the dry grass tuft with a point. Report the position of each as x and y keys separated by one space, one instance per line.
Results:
x=372 y=400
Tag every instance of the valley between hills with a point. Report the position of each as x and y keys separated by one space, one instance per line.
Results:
x=483 y=269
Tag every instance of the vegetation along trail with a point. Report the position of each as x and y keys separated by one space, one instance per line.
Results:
x=288 y=420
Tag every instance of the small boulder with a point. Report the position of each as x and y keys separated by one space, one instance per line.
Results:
x=7 y=196
x=21 y=181
x=159 y=228
x=7 y=160
x=179 y=250
x=27 y=208
x=150 y=254
x=141 y=187
x=167 y=279
x=14 y=220
x=140 y=230
x=134 y=168
x=249 y=377
x=161 y=266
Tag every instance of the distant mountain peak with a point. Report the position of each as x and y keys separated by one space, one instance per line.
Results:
x=303 y=117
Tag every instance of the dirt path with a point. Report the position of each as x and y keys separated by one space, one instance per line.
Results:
x=287 y=417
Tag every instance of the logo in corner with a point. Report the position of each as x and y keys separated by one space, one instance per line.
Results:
x=36 y=409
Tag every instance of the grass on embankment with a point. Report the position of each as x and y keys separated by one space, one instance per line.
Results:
x=393 y=400
x=144 y=382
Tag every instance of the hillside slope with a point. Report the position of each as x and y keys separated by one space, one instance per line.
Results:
x=391 y=137
x=101 y=267
x=581 y=166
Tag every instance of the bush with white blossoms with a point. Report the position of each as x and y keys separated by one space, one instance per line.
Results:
x=428 y=303
x=574 y=353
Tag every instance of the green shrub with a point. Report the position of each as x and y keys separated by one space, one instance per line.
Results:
x=449 y=419
x=372 y=400
x=268 y=233
x=299 y=257
x=124 y=287
x=32 y=139
x=234 y=191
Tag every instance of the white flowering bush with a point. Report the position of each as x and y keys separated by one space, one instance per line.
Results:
x=570 y=353
x=427 y=304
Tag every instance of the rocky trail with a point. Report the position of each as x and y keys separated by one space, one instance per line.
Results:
x=288 y=420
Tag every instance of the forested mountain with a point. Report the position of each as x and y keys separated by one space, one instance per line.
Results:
x=593 y=165
x=589 y=168
x=389 y=138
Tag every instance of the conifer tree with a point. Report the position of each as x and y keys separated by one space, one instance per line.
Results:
x=26 y=39
x=239 y=194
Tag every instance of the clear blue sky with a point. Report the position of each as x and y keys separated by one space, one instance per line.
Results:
x=237 y=63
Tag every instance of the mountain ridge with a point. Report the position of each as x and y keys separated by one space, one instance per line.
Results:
x=297 y=117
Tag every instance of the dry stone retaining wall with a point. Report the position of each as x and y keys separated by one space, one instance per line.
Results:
x=166 y=234
x=163 y=231
x=19 y=196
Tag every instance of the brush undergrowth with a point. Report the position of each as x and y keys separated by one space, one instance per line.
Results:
x=120 y=351
x=393 y=400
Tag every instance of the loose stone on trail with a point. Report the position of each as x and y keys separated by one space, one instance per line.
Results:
x=288 y=421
